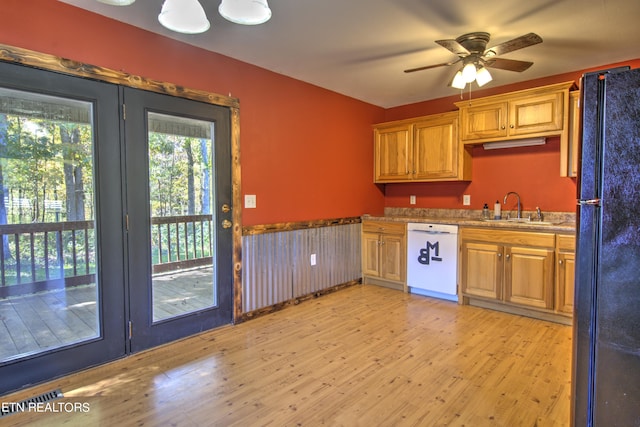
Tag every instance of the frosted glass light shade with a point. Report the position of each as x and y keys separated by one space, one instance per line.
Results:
x=117 y=2
x=483 y=77
x=458 y=81
x=469 y=73
x=245 y=12
x=184 y=16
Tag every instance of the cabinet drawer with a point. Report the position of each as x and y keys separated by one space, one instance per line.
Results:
x=384 y=227
x=510 y=237
x=566 y=242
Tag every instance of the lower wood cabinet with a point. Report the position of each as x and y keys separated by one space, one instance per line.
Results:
x=384 y=247
x=565 y=273
x=517 y=268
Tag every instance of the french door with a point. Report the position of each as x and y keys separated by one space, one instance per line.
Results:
x=178 y=168
x=114 y=222
x=62 y=294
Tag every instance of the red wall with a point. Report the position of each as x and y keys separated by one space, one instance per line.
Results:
x=533 y=172
x=305 y=151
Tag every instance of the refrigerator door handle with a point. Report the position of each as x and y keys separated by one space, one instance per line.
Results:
x=584 y=202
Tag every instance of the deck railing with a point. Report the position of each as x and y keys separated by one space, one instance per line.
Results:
x=42 y=256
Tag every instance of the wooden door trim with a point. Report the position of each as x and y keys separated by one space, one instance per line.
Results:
x=58 y=64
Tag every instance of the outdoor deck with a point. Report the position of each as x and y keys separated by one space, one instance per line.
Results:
x=45 y=320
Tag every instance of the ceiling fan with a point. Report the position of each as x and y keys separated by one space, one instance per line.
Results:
x=472 y=49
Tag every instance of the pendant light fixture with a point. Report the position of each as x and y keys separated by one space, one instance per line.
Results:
x=117 y=2
x=184 y=16
x=245 y=12
x=188 y=16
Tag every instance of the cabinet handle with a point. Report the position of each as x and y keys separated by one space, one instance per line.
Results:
x=560 y=262
x=511 y=126
x=503 y=127
x=508 y=256
x=499 y=255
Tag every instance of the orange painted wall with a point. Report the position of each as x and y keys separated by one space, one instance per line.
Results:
x=531 y=171
x=305 y=151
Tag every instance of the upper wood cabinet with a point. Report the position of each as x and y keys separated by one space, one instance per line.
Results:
x=393 y=152
x=569 y=153
x=541 y=111
x=420 y=150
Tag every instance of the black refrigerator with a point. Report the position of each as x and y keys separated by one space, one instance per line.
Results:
x=606 y=335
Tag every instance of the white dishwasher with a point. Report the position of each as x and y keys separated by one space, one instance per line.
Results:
x=432 y=260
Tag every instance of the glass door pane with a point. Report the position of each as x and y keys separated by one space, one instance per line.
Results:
x=180 y=190
x=48 y=282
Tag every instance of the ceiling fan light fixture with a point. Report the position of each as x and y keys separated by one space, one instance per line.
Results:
x=245 y=12
x=469 y=72
x=117 y=2
x=483 y=77
x=184 y=16
x=458 y=81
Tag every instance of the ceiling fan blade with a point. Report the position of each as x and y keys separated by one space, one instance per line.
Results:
x=515 y=44
x=454 y=47
x=508 y=64
x=411 y=70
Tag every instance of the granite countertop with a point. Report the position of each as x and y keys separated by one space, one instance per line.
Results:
x=562 y=222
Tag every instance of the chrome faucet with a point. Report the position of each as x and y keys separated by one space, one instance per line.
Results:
x=519 y=205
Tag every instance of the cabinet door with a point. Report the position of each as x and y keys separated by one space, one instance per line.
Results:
x=482 y=268
x=565 y=273
x=529 y=276
x=535 y=114
x=392 y=153
x=392 y=257
x=371 y=254
x=571 y=157
x=436 y=149
x=483 y=121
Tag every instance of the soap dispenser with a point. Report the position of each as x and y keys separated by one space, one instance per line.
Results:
x=485 y=212
x=497 y=210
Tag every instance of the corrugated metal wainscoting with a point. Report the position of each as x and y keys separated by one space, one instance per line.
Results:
x=276 y=267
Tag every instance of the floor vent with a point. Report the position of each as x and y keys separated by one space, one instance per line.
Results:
x=24 y=405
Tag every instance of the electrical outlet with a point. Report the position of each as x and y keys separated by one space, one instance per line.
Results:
x=313 y=259
x=250 y=201
x=412 y=200
x=466 y=199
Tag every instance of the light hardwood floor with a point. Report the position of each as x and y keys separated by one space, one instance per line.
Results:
x=363 y=356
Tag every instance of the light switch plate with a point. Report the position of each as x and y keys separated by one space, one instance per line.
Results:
x=412 y=200
x=250 y=201
x=466 y=199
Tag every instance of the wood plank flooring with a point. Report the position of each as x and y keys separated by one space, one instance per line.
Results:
x=363 y=356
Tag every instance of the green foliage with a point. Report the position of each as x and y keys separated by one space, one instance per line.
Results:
x=44 y=163
x=33 y=163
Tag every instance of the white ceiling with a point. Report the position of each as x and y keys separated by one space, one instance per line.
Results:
x=360 y=47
